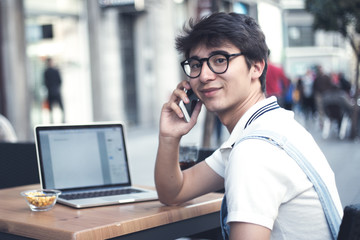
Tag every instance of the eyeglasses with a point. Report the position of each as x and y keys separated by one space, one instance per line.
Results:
x=218 y=63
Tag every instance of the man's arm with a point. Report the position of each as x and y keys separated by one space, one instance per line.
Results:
x=248 y=231
x=173 y=185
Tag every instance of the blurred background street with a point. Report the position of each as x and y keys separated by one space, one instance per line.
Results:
x=117 y=59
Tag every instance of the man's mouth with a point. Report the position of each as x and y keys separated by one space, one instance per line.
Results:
x=209 y=92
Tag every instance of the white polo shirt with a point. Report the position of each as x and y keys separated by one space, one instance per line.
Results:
x=265 y=186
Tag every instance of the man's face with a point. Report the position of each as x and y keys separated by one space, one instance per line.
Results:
x=227 y=91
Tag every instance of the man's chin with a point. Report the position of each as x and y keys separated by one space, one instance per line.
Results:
x=212 y=108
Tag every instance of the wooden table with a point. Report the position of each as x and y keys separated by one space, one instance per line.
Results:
x=146 y=220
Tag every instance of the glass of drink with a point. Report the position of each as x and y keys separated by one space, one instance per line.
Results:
x=188 y=155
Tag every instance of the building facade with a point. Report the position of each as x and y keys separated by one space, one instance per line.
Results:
x=306 y=48
x=117 y=58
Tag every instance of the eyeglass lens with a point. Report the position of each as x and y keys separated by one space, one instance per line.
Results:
x=217 y=63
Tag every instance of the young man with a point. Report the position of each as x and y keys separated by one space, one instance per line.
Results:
x=268 y=196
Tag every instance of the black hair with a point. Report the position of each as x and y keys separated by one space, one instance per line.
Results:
x=219 y=28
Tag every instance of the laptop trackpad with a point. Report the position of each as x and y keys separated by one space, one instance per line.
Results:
x=121 y=199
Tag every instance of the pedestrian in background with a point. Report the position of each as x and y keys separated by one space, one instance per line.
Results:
x=307 y=94
x=322 y=83
x=344 y=84
x=52 y=81
x=277 y=84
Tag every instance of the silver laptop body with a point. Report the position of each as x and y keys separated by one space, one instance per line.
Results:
x=88 y=164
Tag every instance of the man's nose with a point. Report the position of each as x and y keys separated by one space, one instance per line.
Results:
x=206 y=73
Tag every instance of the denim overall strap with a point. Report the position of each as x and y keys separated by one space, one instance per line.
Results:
x=332 y=215
x=225 y=229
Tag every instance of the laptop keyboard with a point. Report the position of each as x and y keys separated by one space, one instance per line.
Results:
x=82 y=195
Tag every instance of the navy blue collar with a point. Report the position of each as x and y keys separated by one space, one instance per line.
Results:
x=269 y=107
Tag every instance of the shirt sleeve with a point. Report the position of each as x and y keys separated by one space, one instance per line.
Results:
x=216 y=163
x=258 y=180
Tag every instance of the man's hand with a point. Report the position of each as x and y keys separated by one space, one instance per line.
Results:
x=172 y=123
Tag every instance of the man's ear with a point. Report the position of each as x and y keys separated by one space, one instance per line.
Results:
x=257 y=69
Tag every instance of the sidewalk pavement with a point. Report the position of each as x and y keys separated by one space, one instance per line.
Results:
x=343 y=157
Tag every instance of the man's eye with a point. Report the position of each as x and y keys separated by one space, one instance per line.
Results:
x=195 y=65
x=219 y=60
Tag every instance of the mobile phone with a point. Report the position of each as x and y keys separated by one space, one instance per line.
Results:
x=188 y=108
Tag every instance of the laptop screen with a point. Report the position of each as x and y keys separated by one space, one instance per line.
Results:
x=82 y=156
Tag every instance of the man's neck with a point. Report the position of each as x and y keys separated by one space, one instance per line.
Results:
x=231 y=117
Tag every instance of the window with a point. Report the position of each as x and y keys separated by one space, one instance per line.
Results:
x=300 y=36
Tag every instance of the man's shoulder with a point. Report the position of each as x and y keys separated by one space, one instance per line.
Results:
x=279 y=121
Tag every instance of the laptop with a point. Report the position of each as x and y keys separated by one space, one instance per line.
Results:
x=88 y=164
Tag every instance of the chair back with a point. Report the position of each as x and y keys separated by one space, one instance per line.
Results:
x=18 y=164
x=350 y=224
